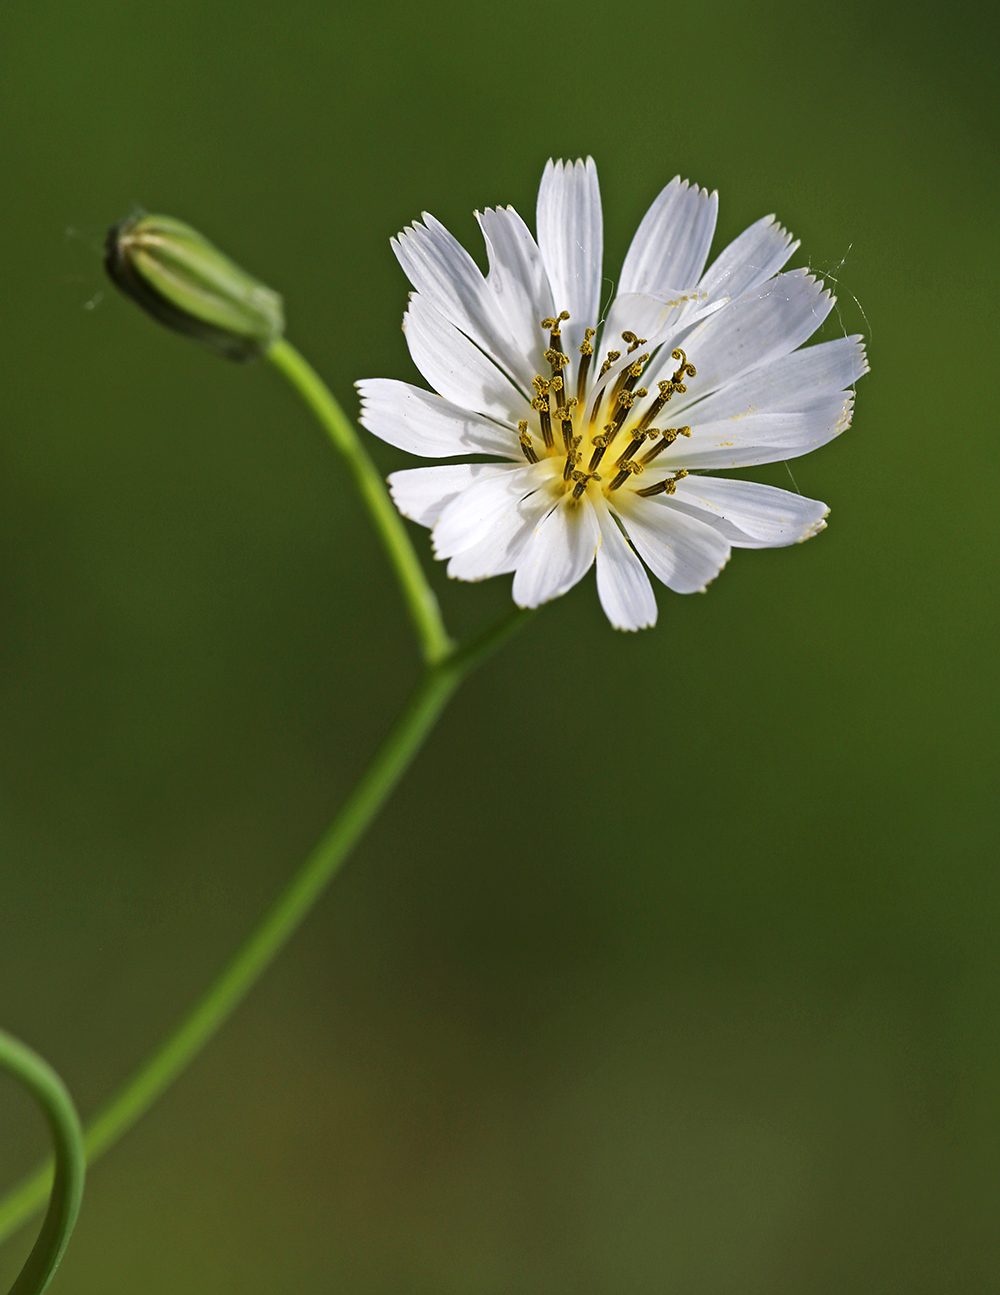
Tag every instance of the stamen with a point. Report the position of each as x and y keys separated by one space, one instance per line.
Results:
x=685 y=368
x=602 y=441
x=612 y=357
x=667 y=390
x=627 y=379
x=637 y=439
x=565 y=414
x=626 y=399
x=586 y=355
x=664 y=487
x=600 y=444
x=581 y=479
x=552 y=324
x=540 y=405
x=624 y=472
x=634 y=342
x=524 y=436
x=558 y=361
x=572 y=457
x=669 y=436
x=675 y=386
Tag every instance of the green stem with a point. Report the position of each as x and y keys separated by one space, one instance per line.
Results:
x=70 y=1162
x=420 y=598
x=392 y=759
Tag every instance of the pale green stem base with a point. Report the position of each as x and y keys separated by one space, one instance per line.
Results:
x=70 y=1162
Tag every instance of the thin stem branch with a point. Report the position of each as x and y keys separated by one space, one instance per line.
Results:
x=70 y=1162
x=417 y=593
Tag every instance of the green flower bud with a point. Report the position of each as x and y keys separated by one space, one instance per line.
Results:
x=186 y=283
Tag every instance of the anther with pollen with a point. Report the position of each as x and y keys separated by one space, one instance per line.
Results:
x=667 y=390
x=600 y=444
x=627 y=379
x=624 y=472
x=634 y=372
x=581 y=479
x=586 y=355
x=540 y=405
x=552 y=323
x=558 y=361
x=524 y=436
x=565 y=415
x=634 y=342
x=685 y=369
x=637 y=439
x=626 y=399
x=573 y=457
x=612 y=357
x=669 y=435
x=664 y=487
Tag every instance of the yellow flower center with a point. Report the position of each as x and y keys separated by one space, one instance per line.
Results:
x=608 y=439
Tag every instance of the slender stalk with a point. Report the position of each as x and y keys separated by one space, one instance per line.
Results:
x=277 y=925
x=70 y=1162
x=417 y=593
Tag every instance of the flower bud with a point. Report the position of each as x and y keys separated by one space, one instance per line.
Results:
x=189 y=285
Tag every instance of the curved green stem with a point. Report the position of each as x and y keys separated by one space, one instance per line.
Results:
x=420 y=598
x=70 y=1162
x=404 y=739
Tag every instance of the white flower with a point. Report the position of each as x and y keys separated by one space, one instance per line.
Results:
x=594 y=441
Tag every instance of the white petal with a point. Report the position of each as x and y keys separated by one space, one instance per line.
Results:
x=760 y=326
x=500 y=549
x=445 y=274
x=751 y=258
x=455 y=367
x=671 y=245
x=801 y=380
x=519 y=283
x=422 y=494
x=470 y=516
x=680 y=550
x=751 y=515
x=422 y=423
x=759 y=438
x=571 y=239
x=622 y=584
x=559 y=552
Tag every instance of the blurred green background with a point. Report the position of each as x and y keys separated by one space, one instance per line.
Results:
x=731 y=1029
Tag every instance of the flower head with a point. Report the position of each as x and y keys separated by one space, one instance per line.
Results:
x=600 y=427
